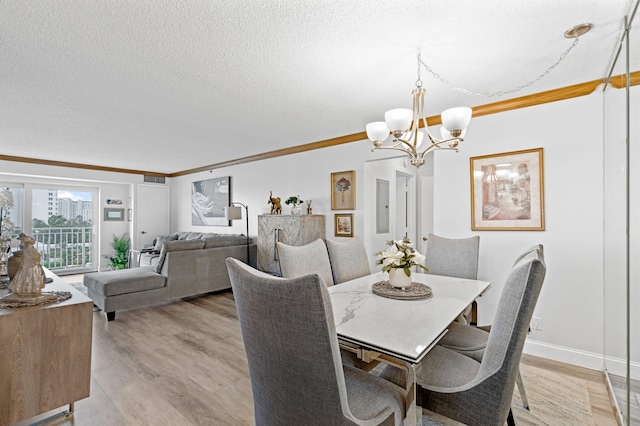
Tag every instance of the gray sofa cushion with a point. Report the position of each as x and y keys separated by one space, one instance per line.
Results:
x=123 y=281
x=225 y=240
x=177 y=246
x=162 y=239
x=193 y=236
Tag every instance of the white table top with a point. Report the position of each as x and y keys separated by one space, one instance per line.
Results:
x=403 y=329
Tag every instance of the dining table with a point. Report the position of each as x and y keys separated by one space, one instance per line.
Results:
x=400 y=330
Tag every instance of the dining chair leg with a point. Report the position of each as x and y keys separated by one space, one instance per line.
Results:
x=523 y=394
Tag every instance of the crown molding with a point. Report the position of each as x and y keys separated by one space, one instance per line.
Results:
x=577 y=90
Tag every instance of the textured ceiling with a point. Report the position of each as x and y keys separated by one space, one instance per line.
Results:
x=170 y=85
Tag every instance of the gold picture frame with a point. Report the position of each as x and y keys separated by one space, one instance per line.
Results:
x=507 y=191
x=343 y=190
x=343 y=224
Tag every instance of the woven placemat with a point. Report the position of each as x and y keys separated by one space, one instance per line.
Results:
x=60 y=296
x=416 y=291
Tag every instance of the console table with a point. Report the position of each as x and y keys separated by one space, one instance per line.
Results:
x=294 y=230
x=45 y=355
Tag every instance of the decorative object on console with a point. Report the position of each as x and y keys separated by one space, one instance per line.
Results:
x=30 y=279
x=404 y=124
x=343 y=190
x=276 y=207
x=397 y=260
x=507 y=191
x=309 y=208
x=233 y=212
x=296 y=201
x=208 y=200
x=14 y=262
x=343 y=224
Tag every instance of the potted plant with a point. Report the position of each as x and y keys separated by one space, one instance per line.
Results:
x=296 y=201
x=397 y=260
x=121 y=246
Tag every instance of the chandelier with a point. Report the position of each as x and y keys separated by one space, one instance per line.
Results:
x=404 y=126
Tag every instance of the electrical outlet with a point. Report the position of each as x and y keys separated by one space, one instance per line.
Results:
x=536 y=324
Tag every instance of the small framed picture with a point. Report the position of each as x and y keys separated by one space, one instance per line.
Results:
x=343 y=190
x=343 y=224
x=507 y=191
x=111 y=214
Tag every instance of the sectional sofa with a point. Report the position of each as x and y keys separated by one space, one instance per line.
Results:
x=180 y=265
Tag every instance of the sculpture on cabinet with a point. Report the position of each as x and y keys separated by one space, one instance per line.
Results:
x=276 y=207
x=30 y=278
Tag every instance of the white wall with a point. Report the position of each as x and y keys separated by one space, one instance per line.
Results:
x=570 y=303
x=306 y=174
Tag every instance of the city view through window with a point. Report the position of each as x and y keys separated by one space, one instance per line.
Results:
x=60 y=222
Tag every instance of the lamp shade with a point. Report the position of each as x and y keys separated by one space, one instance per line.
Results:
x=456 y=118
x=232 y=213
x=399 y=119
x=377 y=131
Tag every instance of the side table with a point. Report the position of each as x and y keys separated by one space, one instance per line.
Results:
x=45 y=355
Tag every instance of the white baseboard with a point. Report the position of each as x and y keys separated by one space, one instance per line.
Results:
x=580 y=358
x=572 y=356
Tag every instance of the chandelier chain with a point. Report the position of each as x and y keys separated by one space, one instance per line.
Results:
x=503 y=92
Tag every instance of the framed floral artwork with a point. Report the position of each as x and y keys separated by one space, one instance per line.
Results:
x=343 y=190
x=507 y=191
x=343 y=224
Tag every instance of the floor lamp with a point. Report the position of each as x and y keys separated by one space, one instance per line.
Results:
x=233 y=212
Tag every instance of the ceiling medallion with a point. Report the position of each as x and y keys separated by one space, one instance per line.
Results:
x=578 y=30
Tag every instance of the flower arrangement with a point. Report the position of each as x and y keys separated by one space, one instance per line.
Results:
x=400 y=255
x=6 y=203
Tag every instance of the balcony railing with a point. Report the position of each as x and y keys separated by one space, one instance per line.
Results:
x=65 y=248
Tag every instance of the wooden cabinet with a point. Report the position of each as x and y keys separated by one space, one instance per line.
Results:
x=45 y=355
x=294 y=230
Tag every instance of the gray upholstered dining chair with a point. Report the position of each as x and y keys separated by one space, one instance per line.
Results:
x=298 y=261
x=348 y=259
x=453 y=258
x=294 y=363
x=479 y=393
x=472 y=341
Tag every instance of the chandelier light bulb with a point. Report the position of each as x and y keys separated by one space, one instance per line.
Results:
x=456 y=119
x=398 y=120
x=378 y=132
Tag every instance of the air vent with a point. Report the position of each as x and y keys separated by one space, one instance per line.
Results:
x=154 y=179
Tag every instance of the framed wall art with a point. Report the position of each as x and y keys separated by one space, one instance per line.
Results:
x=343 y=224
x=343 y=190
x=507 y=191
x=111 y=214
x=208 y=200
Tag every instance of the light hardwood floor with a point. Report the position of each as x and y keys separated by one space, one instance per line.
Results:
x=183 y=363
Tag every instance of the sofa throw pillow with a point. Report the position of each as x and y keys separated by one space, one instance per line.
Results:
x=170 y=246
x=163 y=239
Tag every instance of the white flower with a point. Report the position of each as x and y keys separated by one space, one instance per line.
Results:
x=417 y=257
